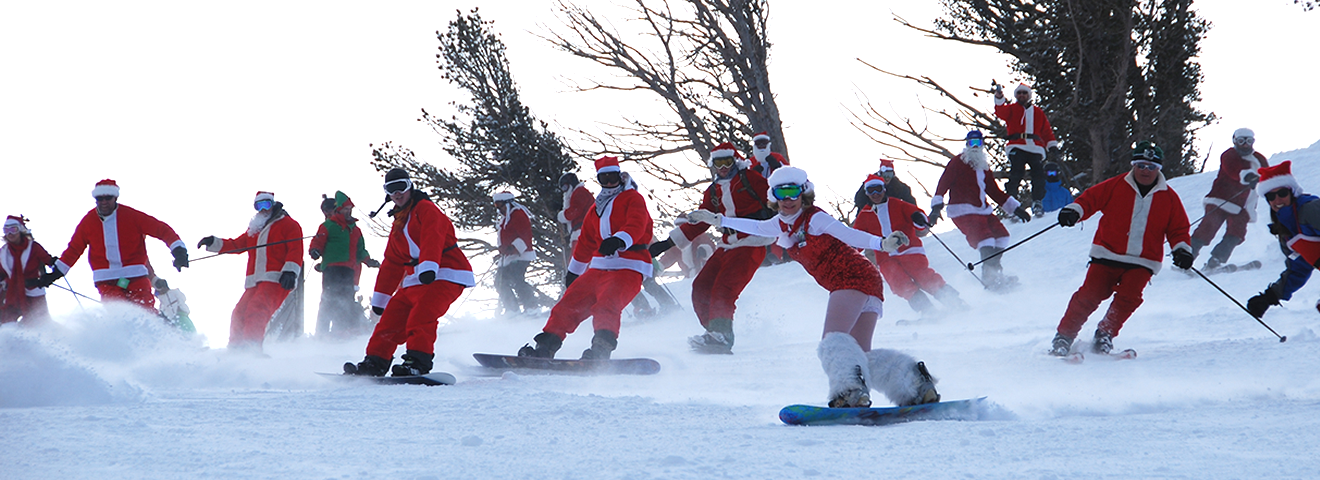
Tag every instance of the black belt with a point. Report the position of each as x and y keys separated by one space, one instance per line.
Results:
x=1020 y=136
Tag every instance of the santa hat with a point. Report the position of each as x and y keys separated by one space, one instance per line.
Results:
x=886 y=165
x=1244 y=133
x=873 y=179
x=502 y=197
x=264 y=196
x=607 y=164
x=1021 y=87
x=761 y=136
x=1276 y=177
x=18 y=221
x=726 y=150
x=106 y=187
x=787 y=175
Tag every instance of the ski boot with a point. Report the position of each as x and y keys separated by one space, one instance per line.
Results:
x=1104 y=342
x=602 y=344
x=371 y=366
x=857 y=397
x=925 y=387
x=1037 y=210
x=1062 y=345
x=718 y=338
x=414 y=363
x=546 y=345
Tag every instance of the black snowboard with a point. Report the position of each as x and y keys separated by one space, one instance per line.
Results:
x=620 y=366
x=430 y=379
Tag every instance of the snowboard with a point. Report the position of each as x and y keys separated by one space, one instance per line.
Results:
x=951 y=410
x=1077 y=357
x=430 y=379
x=619 y=366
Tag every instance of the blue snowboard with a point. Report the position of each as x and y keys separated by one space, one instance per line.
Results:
x=952 y=410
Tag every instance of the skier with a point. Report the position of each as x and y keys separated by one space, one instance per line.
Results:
x=1295 y=220
x=273 y=243
x=577 y=202
x=339 y=241
x=117 y=236
x=22 y=259
x=894 y=188
x=1141 y=212
x=515 y=254
x=608 y=266
x=1056 y=194
x=1030 y=139
x=736 y=191
x=906 y=270
x=765 y=162
x=174 y=305
x=1231 y=199
x=423 y=272
x=968 y=180
x=826 y=248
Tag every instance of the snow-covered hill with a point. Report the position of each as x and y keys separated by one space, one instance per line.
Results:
x=1213 y=394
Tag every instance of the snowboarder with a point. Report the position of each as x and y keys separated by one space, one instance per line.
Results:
x=516 y=252
x=736 y=191
x=826 y=248
x=22 y=259
x=1231 y=200
x=116 y=235
x=1030 y=140
x=764 y=161
x=338 y=244
x=577 y=202
x=608 y=266
x=274 y=247
x=1057 y=195
x=894 y=188
x=423 y=272
x=174 y=305
x=967 y=180
x=906 y=270
x=1141 y=212
x=1295 y=220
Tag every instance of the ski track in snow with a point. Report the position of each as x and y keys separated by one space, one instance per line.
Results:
x=1212 y=394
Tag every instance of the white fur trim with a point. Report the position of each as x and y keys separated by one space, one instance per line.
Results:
x=216 y=245
x=380 y=300
x=894 y=373
x=103 y=190
x=758 y=137
x=502 y=197
x=1021 y=87
x=1274 y=183
x=627 y=239
x=608 y=169
x=840 y=357
x=936 y=201
x=1244 y=132
x=1011 y=205
x=263 y=196
x=788 y=175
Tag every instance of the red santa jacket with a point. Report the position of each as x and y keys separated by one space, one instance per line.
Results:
x=20 y=262
x=422 y=239
x=882 y=219
x=762 y=162
x=626 y=217
x=267 y=263
x=576 y=205
x=967 y=189
x=515 y=230
x=1028 y=128
x=125 y=232
x=1231 y=192
x=730 y=197
x=1134 y=228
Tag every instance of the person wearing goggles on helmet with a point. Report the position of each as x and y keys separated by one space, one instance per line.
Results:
x=894 y=188
x=1231 y=201
x=968 y=181
x=21 y=259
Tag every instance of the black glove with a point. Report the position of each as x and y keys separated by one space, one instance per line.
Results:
x=1052 y=155
x=371 y=262
x=610 y=245
x=1278 y=230
x=659 y=248
x=314 y=253
x=288 y=280
x=568 y=278
x=936 y=213
x=378 y=310
x=45 y=280
x=920 y=220
x=180 y=258
x=1251 y=178
x=1022 y=213
x=1183 y=259
x=426 y=277
x=206 y=242
x=1069 y=217
x=1258 y=304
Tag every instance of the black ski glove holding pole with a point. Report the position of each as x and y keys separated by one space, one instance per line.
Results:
x=180 y=258
x=1069 y=217
x=45 y=280
x=206 y=242
x=936 y=212
x=1022 y=213
x=659 y=248
x=920 y=220
x=568 y=278
x=314 y=253
x=1183 y=259
x=288 y=280
x=610 y=245
x=1258 y=304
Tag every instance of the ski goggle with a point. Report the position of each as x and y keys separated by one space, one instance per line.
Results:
x=788 y=191
x=1243 y=141
x=875 y=189
x=1284 y=192
x=975 y=142
x=263 y=204
x=1145 y=165
x=609 y=178
x=722 y=162
x=11 y=229
x=396 y=186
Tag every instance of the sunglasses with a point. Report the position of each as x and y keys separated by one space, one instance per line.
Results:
x=396 y=186
x=1145 y=165
x=1277 y=193
x=875 y=189
x=722 y=162
x=788 y=192
x=975 y=142
x=263 y=204
x=609 y=178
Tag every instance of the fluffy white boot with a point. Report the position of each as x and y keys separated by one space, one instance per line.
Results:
x=896 y=374
x=847 y=368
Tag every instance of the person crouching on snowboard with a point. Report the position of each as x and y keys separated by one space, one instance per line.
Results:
x=607 y=269
x=1140 y=204
x=826 y=248
x=1295 y=219
x=423 y=272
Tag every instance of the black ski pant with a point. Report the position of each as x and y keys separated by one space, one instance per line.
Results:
x=515 y=293
x=339 y=313
x=1018 y=161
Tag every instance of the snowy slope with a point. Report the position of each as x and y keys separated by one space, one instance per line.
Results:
x=1212 y=395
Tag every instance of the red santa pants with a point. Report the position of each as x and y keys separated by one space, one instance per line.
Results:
x=1216 y=217
x=138 y=292
x=982 y=230
x=726 y=274
x=599 y=294
x=247 y=325
x=906 y=274
x=411 y=318
x=1125 y=284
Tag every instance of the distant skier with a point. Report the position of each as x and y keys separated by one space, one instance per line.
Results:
x=274 y=247
x=1030 y=141
x=826 y=248
x=894 y=188
x=174 y=305
x=1295 y=220
x=1057 y=195
x=1231 y=200
x=1141 y=212
x=608 y=266
x=577 y=202
x=906 y=270
x=765 y=161
x=967 y=179
x=339 y=245
x=22 y=259
x=516 y=253
x=422 y=273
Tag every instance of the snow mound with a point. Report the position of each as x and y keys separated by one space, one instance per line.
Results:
x=39 y=373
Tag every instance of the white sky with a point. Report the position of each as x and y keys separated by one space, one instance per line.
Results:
x=194 y=107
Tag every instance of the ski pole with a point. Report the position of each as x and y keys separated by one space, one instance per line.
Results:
x=955 y=256
x=971 y=266
x=250 y=248
x=76 y=294
x=382 y=207
x=1239 y=304
x=1221 y=203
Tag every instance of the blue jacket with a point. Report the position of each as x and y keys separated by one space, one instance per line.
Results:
x=1300 y=218
x=1056 y=196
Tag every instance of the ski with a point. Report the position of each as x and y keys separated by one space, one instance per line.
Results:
x=430 y=379
x=1077 y=357
x=969 y=409
x=620 y=366
x=1226 y=268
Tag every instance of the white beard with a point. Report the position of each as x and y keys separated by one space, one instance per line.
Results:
x=258 y=222
x=761 y=153
x=975 y=158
